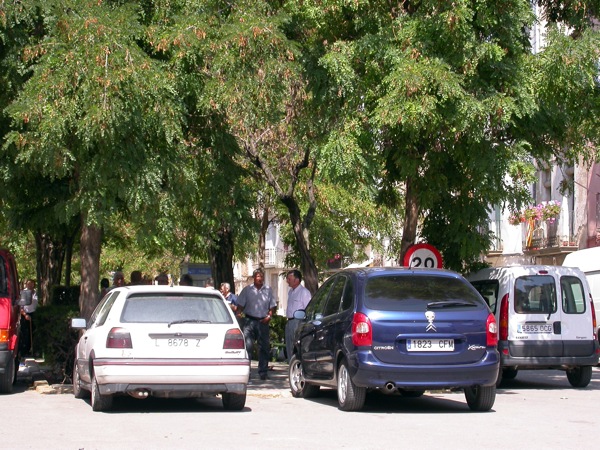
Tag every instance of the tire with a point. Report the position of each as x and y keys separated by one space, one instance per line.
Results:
x=7 y=379
x=350 y=396
x=480 y=398
x=509 y=373
x=77 y=391
x=233 y=401
x=100 y=402
x=580 y=376
x=298 y=385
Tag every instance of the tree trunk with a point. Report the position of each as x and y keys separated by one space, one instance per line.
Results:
x=262 y=237
x=49 y=256
x=310 y=274
x=221 y=259
x=411 y=219
x=69 y=255
x=91 y=245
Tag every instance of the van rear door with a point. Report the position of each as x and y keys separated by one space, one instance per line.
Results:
x=550 y=306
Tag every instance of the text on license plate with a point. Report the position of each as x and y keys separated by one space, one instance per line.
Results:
x=177 y=342
x=535 y=328
x=430 y=345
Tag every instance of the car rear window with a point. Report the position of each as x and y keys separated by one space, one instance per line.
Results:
x=414 y=292
x=177 y=307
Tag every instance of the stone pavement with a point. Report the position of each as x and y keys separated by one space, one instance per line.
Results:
x=33 y=372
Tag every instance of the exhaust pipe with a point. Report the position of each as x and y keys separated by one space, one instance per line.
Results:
x=140 y=393
x=390 y=387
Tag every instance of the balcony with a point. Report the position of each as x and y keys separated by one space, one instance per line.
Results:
x=542 y=239
x=275 y=257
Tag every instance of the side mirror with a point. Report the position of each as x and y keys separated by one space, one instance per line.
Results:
x=300 y=314
x=78 y=323
x=26 y=298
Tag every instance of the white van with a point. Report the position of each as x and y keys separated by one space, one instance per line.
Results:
x=588 y=261
x=545 y=319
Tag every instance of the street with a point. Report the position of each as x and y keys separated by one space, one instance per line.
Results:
x=538 y=409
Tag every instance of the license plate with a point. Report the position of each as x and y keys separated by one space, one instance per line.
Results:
x=177 y=342
x=430 y=345
x=535 y=328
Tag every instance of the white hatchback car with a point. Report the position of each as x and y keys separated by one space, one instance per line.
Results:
x=161 y=341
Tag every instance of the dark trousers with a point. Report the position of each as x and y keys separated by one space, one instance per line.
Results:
x=25 y=335
x=254 y=330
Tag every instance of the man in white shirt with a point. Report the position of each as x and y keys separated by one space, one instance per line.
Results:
x=298 y=298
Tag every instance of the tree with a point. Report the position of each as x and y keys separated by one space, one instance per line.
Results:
x=441 y=92
x=99 y=114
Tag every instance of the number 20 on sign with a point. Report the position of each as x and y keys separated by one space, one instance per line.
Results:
x=424 y=256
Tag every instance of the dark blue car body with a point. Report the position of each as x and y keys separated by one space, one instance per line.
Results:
x=424 y=329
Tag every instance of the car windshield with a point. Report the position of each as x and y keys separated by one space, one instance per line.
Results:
x=418 y=292
x=175 y=308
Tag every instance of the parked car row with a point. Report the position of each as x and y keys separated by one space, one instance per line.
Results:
x=399 y=331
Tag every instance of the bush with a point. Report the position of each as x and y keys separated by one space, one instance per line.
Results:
x=67 y=296
x=55 y=340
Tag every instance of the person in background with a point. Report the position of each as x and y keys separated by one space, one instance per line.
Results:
x=104 y=284
x=136 y=278
x=162 y=279
x=209 y=283
x=298 y=298
x=230 y=297
x=118 y=280
x=27 y=325
x=186 y=280
x=259 y=305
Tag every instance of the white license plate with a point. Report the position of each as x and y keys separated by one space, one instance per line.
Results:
x=430 y=345
x=177 y=342
x=537 y=328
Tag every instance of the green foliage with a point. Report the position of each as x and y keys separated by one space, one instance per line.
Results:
x=54 y=339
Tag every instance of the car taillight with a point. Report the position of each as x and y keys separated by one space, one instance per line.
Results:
x=362 y=332
x=234 y=339
x=118 y=338
x=504 y=318
x=3 y=335
x=491 y=331
x=593 y=315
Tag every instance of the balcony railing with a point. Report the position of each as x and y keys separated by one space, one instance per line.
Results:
x=543 y=235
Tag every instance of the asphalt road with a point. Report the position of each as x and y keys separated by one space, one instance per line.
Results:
x=537 y=410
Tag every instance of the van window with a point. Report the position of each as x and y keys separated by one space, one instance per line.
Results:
x=535 y=294
x=489 y=291
x=573 y=295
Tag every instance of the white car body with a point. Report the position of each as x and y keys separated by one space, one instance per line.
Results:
x=161 y=341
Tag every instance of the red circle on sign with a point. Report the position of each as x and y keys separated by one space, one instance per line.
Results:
x=423 y=256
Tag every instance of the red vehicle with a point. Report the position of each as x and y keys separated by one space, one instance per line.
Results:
x=11 y=301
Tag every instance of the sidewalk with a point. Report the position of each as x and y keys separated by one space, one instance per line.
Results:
x=33 y=372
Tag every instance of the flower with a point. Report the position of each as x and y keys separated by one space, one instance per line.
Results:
x=547 y=211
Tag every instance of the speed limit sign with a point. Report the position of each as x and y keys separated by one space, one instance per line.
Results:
x=423 y=256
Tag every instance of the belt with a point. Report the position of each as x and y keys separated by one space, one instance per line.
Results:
x=254 y=318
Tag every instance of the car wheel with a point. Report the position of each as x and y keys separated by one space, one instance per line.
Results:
x=100 y=402
x=411 y=394
x=298 y=385
x=480 y=398
x=350 y=396
x=510 y=373
x=7 y=379
x=580 y=376
x=77 y=391
x=233 y=401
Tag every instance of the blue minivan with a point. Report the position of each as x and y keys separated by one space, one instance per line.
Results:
x=398 y=331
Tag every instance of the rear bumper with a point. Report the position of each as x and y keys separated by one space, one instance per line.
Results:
x=172 y=378
x=367 y=371
x=547 y=356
